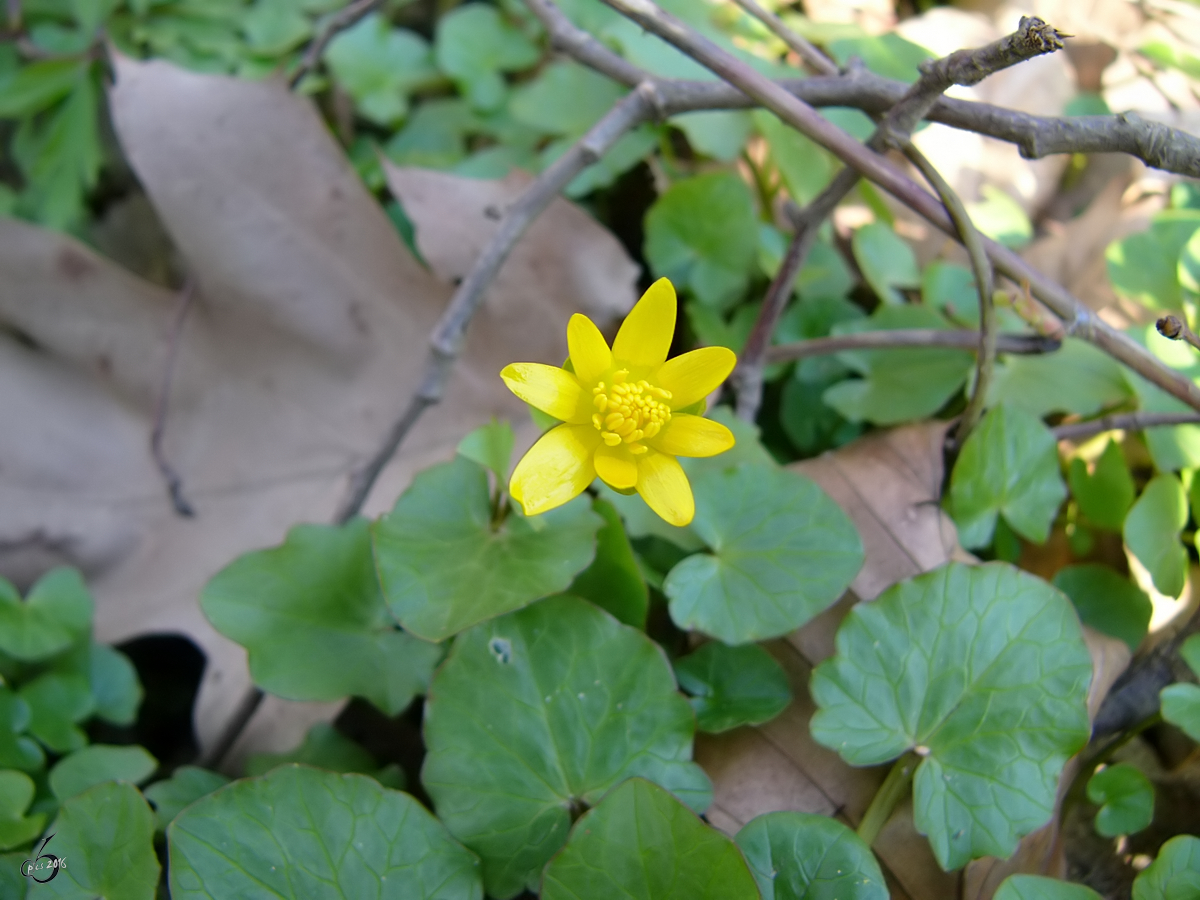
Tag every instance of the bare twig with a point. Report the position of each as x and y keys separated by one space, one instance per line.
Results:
x=584 y=48
x=170 y=476
x=1080 y=320
x=892 y=339
x=1122 y=422
x=984 y=286
x=814 y=60
x=344 y=18
x=1177 y=330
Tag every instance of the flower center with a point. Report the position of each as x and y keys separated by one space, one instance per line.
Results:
x=629 y=411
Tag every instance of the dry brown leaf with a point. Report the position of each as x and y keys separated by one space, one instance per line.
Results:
x=304 y=341
x=890 y=484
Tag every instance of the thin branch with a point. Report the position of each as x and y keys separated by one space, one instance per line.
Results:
x=172 y=478
x=1136 y=421
x=814 y=60
x=1177 y=330
x=583 y=47
x=344 y=18
x=984 y=286
x=1079 y=319
x=892 y=339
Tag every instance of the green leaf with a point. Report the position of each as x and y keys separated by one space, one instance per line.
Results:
x=1152 y=531
x=324 y=747
x=273 y=27
x=950 y=289
x=474 y=45
x=613 y=581
x=702 y=233
x=1077 y=378
x=12 y=882
x=733 y=686
x=641 y=843
x=781 y=553
x=1181 y=707
x=1105 y=494
x=116 y=687
x=1170 y=448
x=98 y=763
x=824 y=274
x=622 y=156
x=1107 y=601
x=564 y=99
x=720 y=134
x=434 y=136
x=1145 y=266
x=1190 y=653
x=886 y=261
x=1189 y=263
x=444 y=567
x=299 y=833
x=311 y=616
x=1008 y=466
x=16 y=793
x=799 y=856
x=982 y=670
x=56 y=703
x=805 y=167
x=1125 y=797
x=1175 y=875
x=113 y=862
x=1038 y=887
x=1001 y=218
x=16 y=751
x=38 y=86
x=810 y=424
x=886 y=54
x=378 y=66
x=1087 y=103
x=540 y=713
x=56 y=613
x=898 y=385
x=491 y=446
x=186 y=785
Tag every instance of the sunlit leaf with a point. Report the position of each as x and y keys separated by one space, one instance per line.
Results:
x=1152 y=531
x=1125 y=797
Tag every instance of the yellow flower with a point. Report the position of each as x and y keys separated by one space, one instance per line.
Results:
x=620 y=410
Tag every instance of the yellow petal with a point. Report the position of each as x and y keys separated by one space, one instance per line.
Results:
x=589 y=351
x=665 y=488
x=645 y=336
x=556 y=469
x=688 y=435
x=616 y=466
x=693 y=376
x=554 y=391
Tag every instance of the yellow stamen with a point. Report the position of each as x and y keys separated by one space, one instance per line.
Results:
x=611 y=439
x=601 y=401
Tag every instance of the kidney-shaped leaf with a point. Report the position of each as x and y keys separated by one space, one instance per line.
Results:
x=982 y=670
x=106 y=837
x=302 y=833
x=1125 y=797
x=16 y=793
x=733 y=686
x=98 y=763
x=444 y=567
x=781 y=553
x=1175 y=875
x=57 y=611
x=312 y=617
x=641 y=843
x=540 y=713
x=1038 y=887
x=800 y=856
x=1152 y=530
x=186 y=785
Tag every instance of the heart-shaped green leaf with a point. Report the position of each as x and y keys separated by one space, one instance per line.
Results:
x=613 y=581
x=300 y=833
x=1107 y=601
x=490 y=445
x=186 y=785
x=1037 y=887
x=16 y=793
x=112 y=862
x=982 y=670
x=640 y=843
x=444 y=567
x=474 y=45
x=1125 y=797
x=17 y=751
x=313 y=619
x=1008 y=466
x=733 y=686
x=1145 y=265
x=98 y=763
x=1077 y=378
x=116 y=689
x=56 y=613
x=781 y=553
x=378 y=65
x=57 y=703
x=1174 y=875
x=1106 y=493
x=1152 y=531
x=886 y=261
x=799 y=856
x=1181 y=702
x=538 y=714
x=324 y=747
